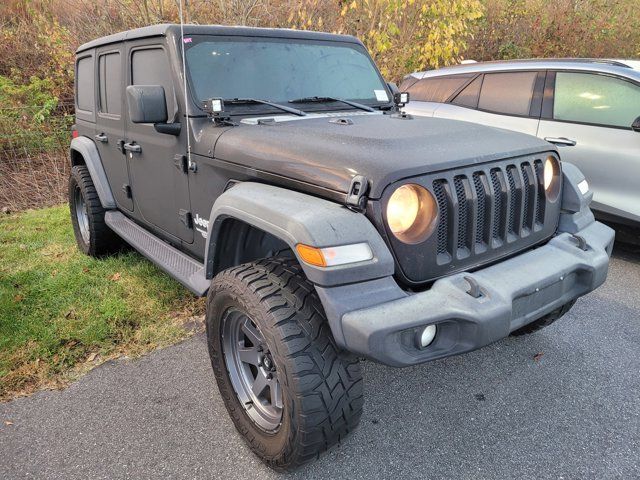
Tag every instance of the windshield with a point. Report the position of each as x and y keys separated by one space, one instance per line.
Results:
x=280 y=70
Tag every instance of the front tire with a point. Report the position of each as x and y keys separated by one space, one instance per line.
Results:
x=290 y=391
x=93 y=236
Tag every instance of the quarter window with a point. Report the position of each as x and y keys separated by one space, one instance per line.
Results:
x=469 y=96
x=507 y=93
x=596 y=99
x=437 y=89
x=110 y=83
x=85 y=84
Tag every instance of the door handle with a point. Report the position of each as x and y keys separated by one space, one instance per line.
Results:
x=101 y=137
x=561 y=141
x=132 y=147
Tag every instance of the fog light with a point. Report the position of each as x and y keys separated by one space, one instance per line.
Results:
x=427 y=336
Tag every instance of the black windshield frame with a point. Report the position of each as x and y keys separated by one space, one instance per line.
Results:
x=258 y=109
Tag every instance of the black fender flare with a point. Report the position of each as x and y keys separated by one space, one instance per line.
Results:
x=87 y=148
x=295 y=218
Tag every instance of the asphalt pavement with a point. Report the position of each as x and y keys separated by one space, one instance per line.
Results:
x=563 y=403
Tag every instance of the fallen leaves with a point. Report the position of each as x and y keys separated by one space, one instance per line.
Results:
x=538 y=356
x=115 y=277
x=8 y=423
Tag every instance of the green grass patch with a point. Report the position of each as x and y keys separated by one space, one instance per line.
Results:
x=62 y=312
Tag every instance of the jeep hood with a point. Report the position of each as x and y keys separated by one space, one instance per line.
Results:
x=322 y=152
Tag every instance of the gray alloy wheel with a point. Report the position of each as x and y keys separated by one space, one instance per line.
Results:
x=251 y=370
x=81 y=214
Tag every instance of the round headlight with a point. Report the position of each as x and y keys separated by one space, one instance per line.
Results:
x=411 y=213
x=551 y=177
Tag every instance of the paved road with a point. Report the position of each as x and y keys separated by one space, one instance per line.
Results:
x=494 y=413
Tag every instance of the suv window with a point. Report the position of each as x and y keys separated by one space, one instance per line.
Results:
x=85 y=84
x=150 y=66
x=110 y=83
x=437 y=89
x=596 y=99
x=507 y=93
x=469 y=96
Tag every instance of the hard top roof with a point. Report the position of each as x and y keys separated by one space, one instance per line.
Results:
x=168 y=29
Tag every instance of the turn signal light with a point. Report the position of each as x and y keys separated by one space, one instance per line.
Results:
x=332 y=256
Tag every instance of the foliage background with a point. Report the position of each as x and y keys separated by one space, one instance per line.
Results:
x=38 y=39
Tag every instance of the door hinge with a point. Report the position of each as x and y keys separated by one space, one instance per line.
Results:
x=186 y=218
x=357 y=195
x=126 y=188
x=181 y=162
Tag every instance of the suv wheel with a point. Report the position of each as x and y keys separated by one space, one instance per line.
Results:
x=290 y=391
x=93 y=236
x=545 y=321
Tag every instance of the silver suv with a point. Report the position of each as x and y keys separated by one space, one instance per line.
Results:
x=589 y=108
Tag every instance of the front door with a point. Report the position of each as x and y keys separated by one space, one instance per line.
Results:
x=591 y=124
x=109 y=127
x=160 y=188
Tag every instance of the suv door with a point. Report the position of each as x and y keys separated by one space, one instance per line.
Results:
x=510 y=100
x=589 y=116
x=109 y=129
x=160 y=189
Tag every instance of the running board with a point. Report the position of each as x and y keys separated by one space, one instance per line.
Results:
x=181 y=267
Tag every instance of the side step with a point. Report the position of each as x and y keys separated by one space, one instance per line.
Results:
x=183 y=268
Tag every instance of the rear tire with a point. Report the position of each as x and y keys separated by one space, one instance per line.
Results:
x=315 y=392
x=545 y=321
x=93 y=236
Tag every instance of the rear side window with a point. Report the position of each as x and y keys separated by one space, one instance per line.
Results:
x=437 y=89
x=110 y=83
x=85 y=85
x=150 y=66
x=469 y=96
x=507 y=93
x=596 y=99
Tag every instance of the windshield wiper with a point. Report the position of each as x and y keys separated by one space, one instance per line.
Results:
x=284 y=108
x=332 y=99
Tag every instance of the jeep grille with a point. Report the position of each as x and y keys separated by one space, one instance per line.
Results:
x=485 y=212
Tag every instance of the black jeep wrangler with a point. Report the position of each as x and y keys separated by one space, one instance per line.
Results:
x=274 y=172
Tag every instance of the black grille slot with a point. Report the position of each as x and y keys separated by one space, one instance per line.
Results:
x=515 y=203
x=540 y=204
x=443 y=224
x=498 y=215
x=482 y=200
x=462 y=211
x=526 y=193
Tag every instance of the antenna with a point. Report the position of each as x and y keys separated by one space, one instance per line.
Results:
x=184 y=82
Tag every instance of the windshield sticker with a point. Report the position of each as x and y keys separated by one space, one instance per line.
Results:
x=381 y=95
x=187 y=40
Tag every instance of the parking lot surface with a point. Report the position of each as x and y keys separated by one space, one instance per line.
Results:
x=561 y=403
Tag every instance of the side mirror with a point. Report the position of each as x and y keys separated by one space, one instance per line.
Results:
x=635 y=126
x=147 y=104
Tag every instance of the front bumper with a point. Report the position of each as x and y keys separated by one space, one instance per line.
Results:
x=514 y=292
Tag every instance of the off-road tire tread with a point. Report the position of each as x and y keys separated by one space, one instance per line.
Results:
x=544 y=321
x=102 y=240
x=325 y=381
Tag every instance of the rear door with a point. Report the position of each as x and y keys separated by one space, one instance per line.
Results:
x=589 y=117
x=160 y=190
x=109 y=131
x=510 y=100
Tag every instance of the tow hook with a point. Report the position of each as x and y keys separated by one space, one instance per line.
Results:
x=582 y=243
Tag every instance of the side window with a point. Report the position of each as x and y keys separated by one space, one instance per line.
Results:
x=507 y=93
x=85 y=85
x=150 y=66
x=110 y=83
x=437 y=89
x=469 y=96
x=597 y=99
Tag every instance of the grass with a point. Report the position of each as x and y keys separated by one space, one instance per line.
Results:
x=62 y=312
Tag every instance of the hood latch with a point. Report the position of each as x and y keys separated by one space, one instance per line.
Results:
x=357 y=195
